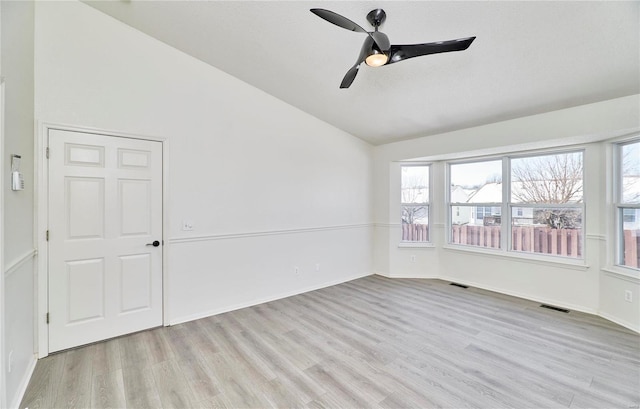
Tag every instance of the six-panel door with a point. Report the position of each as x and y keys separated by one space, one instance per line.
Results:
x=105 y=208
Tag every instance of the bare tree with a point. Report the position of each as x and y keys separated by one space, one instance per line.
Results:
x=548 y=179
x=552 y=179
x=558 y=218
x=414 y=191
x=412 y=213
x=630 y=174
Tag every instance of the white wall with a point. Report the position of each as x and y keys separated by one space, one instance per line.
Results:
x=267 y=186
x=586 y=288
x=18 y=295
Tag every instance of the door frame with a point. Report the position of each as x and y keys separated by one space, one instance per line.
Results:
x=41 y=219
x=3 y=395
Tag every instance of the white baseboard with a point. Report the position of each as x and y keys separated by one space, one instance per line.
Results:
x=193 y=317
x=380 y=273
x=556 y=303
x=22 y=388
x=542 y=300
x=633 y=327
x=389 y=275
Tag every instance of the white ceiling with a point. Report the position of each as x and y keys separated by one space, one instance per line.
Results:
x=528 y=58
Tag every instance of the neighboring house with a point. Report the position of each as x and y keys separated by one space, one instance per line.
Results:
x=489 y=193
x=460 y=214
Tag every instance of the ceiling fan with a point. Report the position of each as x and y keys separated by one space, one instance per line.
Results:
x=377 y=51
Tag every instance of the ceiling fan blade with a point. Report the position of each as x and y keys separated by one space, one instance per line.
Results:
x=402 y=52
x=380 y=39
x=353 y=71
x=338 y=20
x=350 y=76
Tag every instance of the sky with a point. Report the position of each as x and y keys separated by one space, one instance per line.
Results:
x=474 y=174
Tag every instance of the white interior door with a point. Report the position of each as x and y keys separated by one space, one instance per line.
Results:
x=105 y=211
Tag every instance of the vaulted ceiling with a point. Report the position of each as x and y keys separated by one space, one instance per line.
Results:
x=528 y=58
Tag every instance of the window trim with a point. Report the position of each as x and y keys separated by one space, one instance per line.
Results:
x=427 y=204
x=619 y=205
x=449 y=204
x=507 y=205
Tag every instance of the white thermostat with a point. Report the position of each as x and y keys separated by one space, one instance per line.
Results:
x=17 y=180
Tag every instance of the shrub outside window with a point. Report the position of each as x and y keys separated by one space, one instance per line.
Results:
x=414 y=191
x=628 y=204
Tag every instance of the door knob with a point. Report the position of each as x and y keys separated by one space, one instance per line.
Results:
x=156 y=243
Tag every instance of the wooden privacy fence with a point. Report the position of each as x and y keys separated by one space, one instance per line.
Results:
x=545 y=240
x=482 y=236
x=631 y=245
x=534 y=239
x=415 y=232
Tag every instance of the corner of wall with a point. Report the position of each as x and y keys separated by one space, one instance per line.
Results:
x=17 y=28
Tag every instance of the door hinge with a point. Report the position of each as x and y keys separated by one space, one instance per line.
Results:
x=47 y=235
x=47 y=152
x=47 y=318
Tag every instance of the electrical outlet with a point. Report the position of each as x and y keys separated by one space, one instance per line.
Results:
x=628 y=296
x=317 y=267
x=296 y=270
x=413 y=258
x=187 y=225
x=10 y=362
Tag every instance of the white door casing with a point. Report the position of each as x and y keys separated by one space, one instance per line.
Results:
x=105 y=208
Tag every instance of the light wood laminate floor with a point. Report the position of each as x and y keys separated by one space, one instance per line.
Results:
x=369 y=343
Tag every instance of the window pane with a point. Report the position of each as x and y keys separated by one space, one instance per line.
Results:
x=476 y=226
x=549 y=230
x=414 y=184
x=415 y=223
x=547 y=179
x=477 y=182
x=631 y=173
x=630 y=221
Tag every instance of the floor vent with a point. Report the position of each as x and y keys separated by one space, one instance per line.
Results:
x=459 y=285
x=551 y=307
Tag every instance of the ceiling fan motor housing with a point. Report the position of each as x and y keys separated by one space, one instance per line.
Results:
x=376 y=17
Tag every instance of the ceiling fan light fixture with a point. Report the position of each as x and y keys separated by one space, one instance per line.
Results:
x=377 y=51
x=376 y=59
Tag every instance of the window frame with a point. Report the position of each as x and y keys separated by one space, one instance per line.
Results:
x=450 y=205
x=507 y=207
x=577 y=205
x=427 y=204
x=619 y=206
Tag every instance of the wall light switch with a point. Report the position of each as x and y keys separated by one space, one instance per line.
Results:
x=187 y=225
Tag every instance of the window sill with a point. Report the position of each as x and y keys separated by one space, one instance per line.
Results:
x=413 y=245
x=521 y=257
